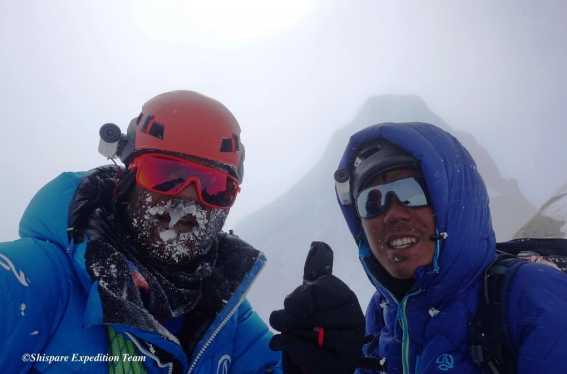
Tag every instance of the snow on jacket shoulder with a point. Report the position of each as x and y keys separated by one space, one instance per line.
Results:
x=50 y=315
x=427 y=330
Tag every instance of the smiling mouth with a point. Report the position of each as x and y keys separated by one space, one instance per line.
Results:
x=398 y=245
x=402 y=242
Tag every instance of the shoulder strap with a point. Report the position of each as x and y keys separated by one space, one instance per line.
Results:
x=490 y=342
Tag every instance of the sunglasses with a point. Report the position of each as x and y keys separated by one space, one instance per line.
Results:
x=170 y=175
x=375 y=200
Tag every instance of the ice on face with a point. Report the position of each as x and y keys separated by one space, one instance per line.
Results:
x=179 y=211
x=176 y=211
x=168 y=235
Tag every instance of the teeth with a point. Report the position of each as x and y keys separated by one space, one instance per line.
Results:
x=402 y=242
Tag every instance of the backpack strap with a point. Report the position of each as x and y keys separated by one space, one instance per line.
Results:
x=491 y=348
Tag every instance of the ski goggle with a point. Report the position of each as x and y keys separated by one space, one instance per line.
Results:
x=170 y=175
x=375 y=200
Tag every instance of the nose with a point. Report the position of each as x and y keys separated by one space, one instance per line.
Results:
x=189 y=193
x=397 y=211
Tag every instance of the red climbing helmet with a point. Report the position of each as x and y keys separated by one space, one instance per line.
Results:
x=187 y=123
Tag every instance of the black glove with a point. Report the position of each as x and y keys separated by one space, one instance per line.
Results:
x=322 y=324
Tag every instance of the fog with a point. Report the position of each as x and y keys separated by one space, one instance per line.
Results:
x=292 y=74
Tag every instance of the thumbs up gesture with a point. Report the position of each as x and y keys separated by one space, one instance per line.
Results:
x=322 y=325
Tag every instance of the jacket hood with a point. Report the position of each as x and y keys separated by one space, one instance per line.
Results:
x=459 y=201
x=46 y=216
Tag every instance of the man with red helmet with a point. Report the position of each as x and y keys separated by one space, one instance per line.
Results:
x=126 y=270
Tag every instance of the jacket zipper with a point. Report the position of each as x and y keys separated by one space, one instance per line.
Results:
x=169 y=365
x=222 y=324
x=205 y=346
x=214 y=335
x=405 y=333
x=404 y=321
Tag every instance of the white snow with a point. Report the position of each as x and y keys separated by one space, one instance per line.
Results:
x=172 y=243
x=168 y=235
x=113 y=270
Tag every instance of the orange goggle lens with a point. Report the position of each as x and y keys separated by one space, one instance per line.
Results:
x=169 y=175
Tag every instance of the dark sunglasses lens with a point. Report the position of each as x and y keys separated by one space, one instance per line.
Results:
x=373 y=200
x=370 y=202
x=409 y=192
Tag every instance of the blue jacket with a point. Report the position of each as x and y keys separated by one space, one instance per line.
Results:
x=427 y=331
x=51 y=309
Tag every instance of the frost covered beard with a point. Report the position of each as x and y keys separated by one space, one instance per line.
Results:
x=173 y=231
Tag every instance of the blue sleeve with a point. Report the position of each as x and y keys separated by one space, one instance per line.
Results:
x=537 y=315
x=374 y=318
x=34 y=290
x=252 y=353
x=374 y=324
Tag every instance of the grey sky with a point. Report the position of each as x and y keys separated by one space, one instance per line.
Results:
x=495 y=69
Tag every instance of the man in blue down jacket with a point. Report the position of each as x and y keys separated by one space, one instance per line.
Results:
x=419 y=213
x=126 y=270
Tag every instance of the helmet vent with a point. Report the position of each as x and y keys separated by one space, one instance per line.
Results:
x=147 y=122
x=157 y=130
x=368 y=152
x=364 y=154
x=226 y=145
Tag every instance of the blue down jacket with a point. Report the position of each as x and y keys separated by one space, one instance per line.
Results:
x=427 y=331
x=51 y=307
